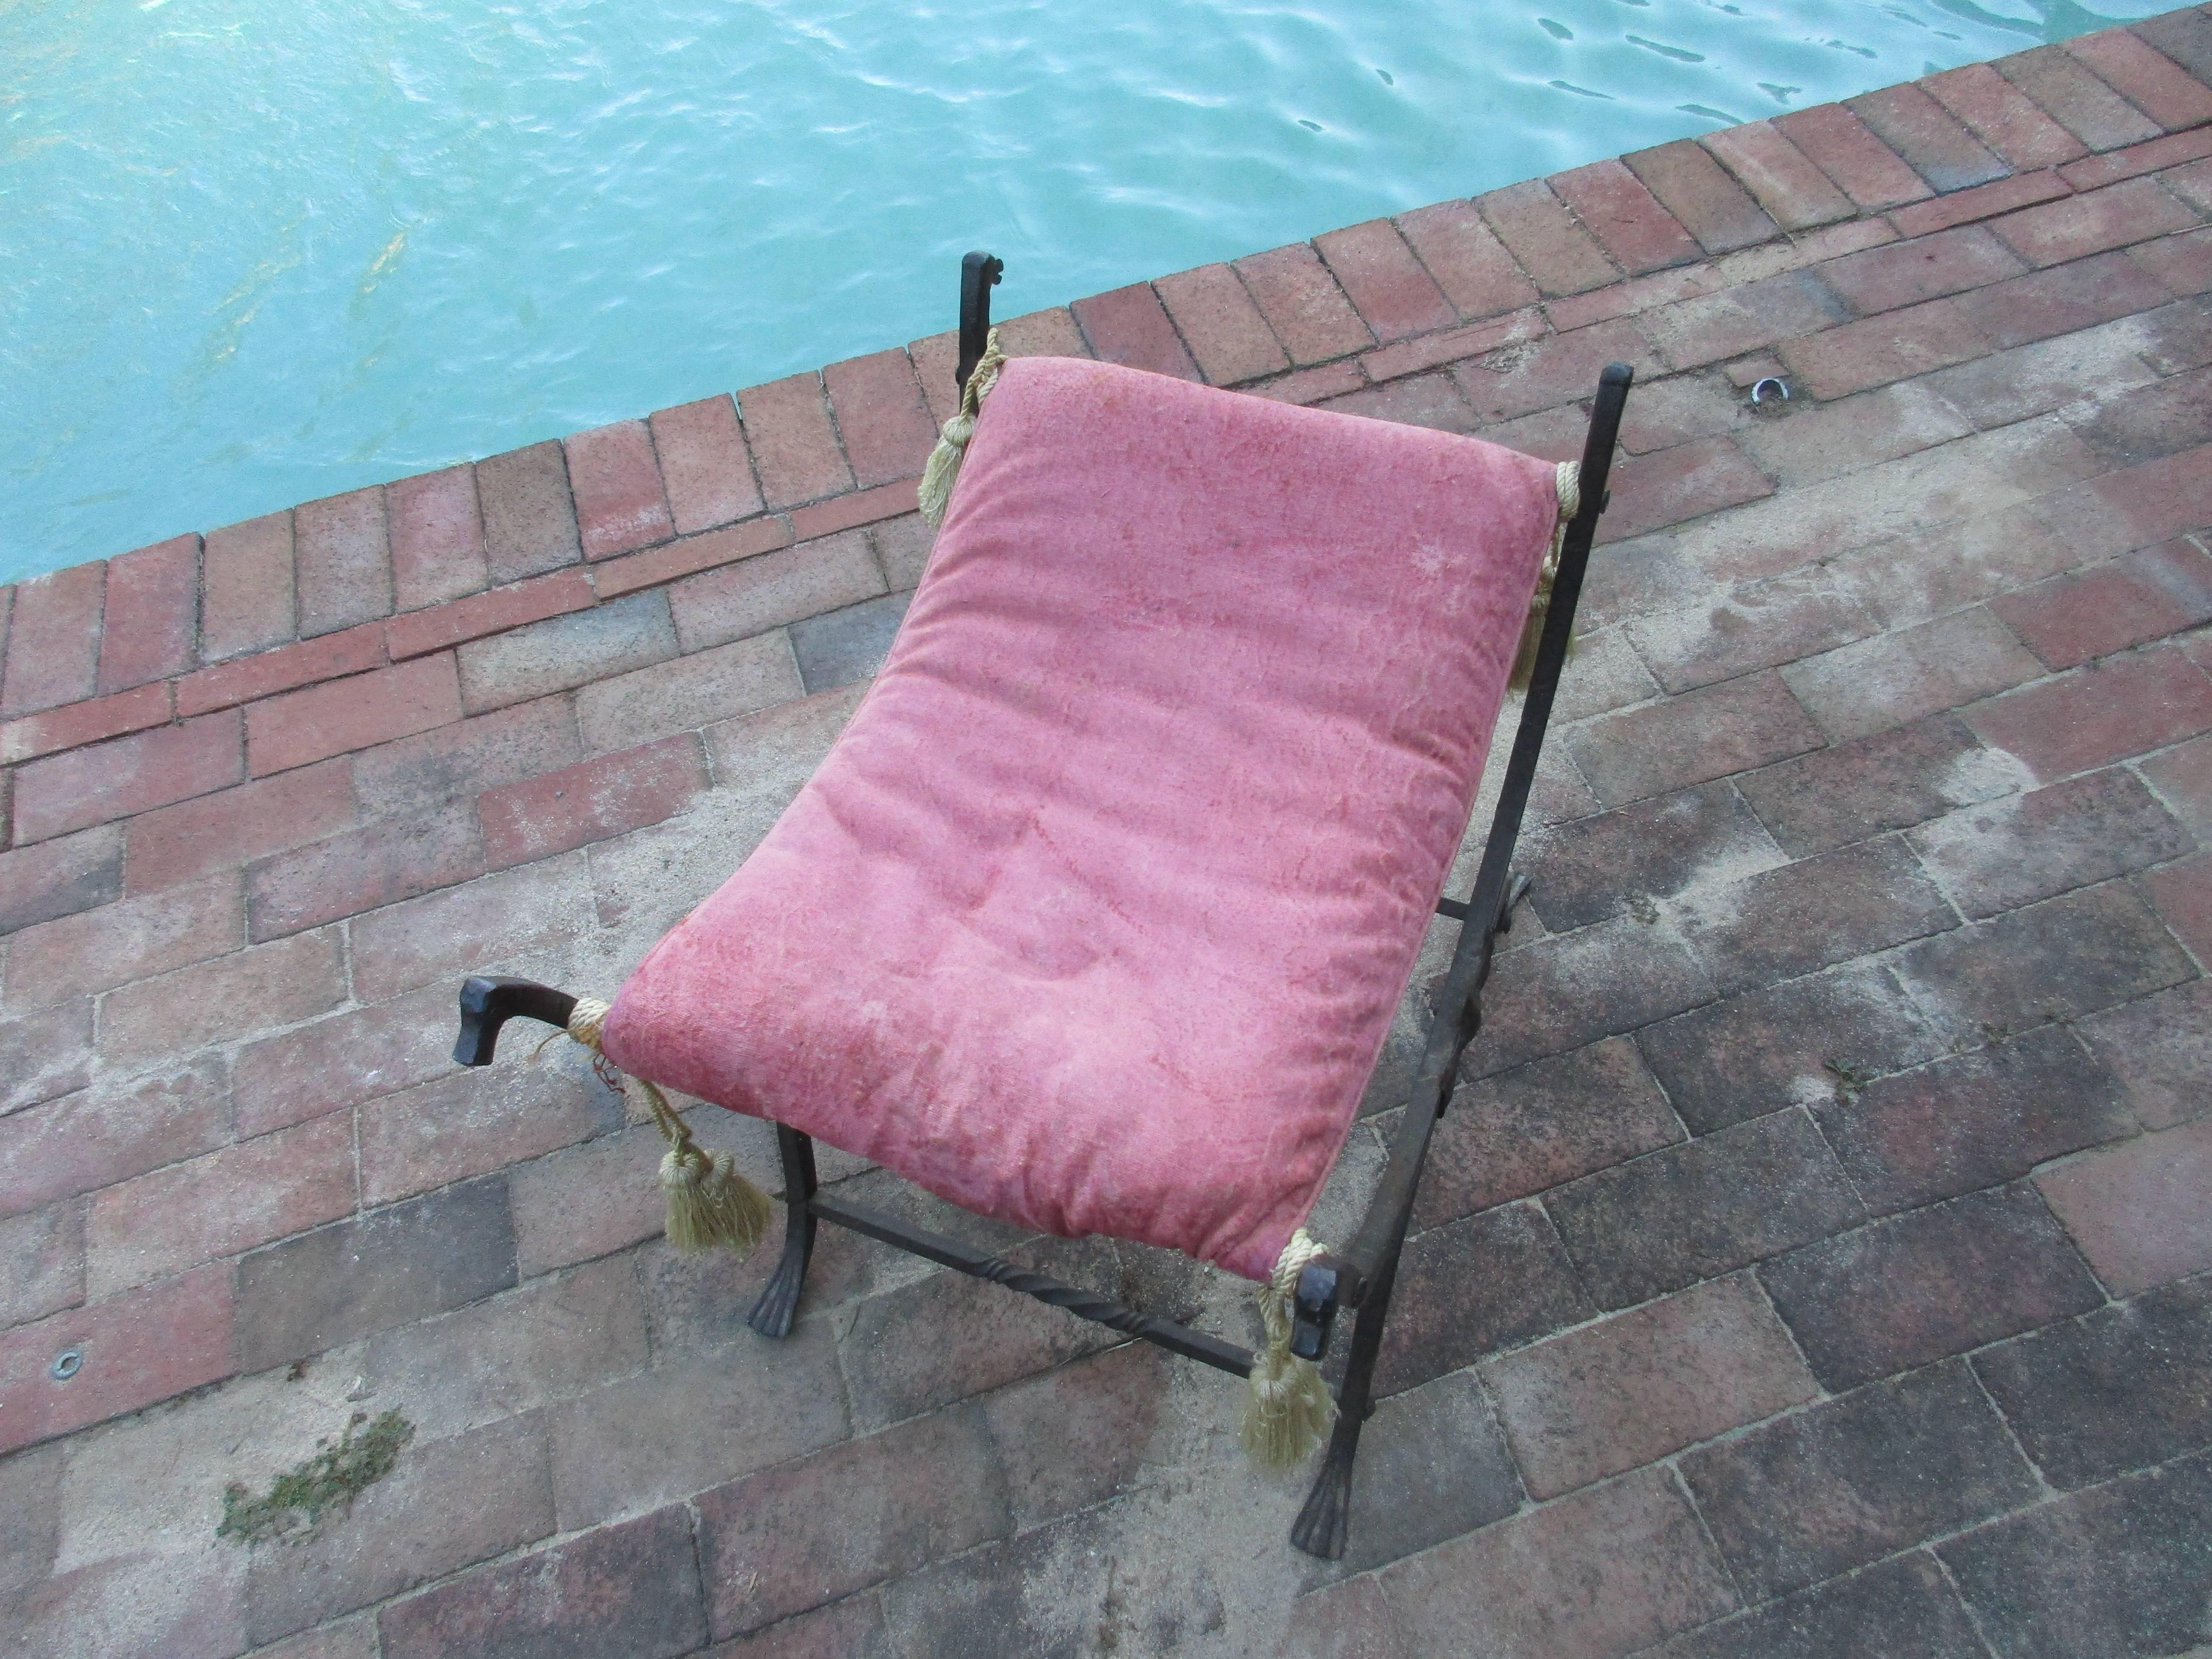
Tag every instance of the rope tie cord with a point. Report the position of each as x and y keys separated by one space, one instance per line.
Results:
x=1288 y=1409
x=710 y=1203
x=1567 y=479
x=935 y=491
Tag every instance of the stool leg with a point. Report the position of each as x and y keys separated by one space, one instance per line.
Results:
x=1325 y=1522
x=779 y=1303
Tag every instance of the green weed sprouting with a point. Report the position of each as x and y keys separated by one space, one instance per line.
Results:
x=1851 y=1079
x=331 y=1480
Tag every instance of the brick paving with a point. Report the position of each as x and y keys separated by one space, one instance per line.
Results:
x=1818 y=1260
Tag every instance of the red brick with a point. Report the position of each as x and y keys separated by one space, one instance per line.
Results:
x=472 y=1122
x=41 y=1270
x=1557 y=254
x=2173 y=151
x=755 y=595
x=2069 y=619
x=591 y=1199
x=1223 y=329
x=1129 y=326
x=492 y=612
x=215 y=1206
x=380 y=864
x=1794 y=193
x=138 y=1348
x=936 y=360
x=1983 y=202
x=1049 y=333
x=718 y=684
x=2183 y=778
x=1866 y=169
x=1893 y=346
x=1589 y=1577
x=268 y=673
x=880 y=414
x=2182 y=893
x=239 y=995
x=1520 y=379
x=1386 y=284
x=466 y=929
x=2066 y=91
x=846 y=511
x=60 y=878
x=1933 y=145
x=2129 y=706
x=2003 y=117
x=2184 y=34
x=54 y=640
x=1630 y=1389
x=98 y=950
x=2162 y=498
x=1894 y=678
x=337 y=1063
x=692 y=553
x=2150 y=80
x=1708 y=733
x=1743 y=318
x=1312 y=386
x=2182 y=264
x=703 y=464
x=150 y=626
x=2142 y=1211
x=617 y=485
x=1636 y=295
x=1906 y=273
x=1670 y=485
x=529 y=519
x=1430 y=400
x=134 y=774
x=235 y=826
x=342 y=561
x=246 y=588
x=807 y=1532
x=1712 y=206
x=2058 y=300
x=98 y=1136
x=794 y=449
x=451 y=761
x=437 y=538
x=47 y=1053
x=631 y=1590
x=321 y=720
x=1465 y=260
x=2134 y=211
x=1639 y=234
x=1430 y=351
x=592 y=801
x=75 y=724
x=1301 y=302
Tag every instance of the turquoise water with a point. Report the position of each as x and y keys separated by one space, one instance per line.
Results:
x=255 y=252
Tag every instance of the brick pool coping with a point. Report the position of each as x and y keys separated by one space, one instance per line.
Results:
x=268 y=791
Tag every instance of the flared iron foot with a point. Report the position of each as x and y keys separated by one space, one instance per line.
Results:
x=778 y=1306
x=1326 y=1520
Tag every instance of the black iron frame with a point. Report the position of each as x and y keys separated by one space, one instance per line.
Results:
x=1361 y=1276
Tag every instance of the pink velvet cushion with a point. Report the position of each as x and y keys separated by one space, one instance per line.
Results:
x=1095 y=917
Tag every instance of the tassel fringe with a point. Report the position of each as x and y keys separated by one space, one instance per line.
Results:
x=710 y=1203
x=1288 y=1409
x=1568 y=480
x=943 y=469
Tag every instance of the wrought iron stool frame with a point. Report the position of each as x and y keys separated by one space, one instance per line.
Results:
x=1361 y=1276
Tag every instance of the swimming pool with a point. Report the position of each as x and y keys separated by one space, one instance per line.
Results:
x=261 y=250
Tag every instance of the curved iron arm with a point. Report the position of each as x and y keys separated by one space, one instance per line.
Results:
x=489 y=1000
x=979 y=274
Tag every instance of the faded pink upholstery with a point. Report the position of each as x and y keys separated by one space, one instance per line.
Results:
x=1095 y=917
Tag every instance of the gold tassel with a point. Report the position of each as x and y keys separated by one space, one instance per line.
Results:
x=1288 y=1409
x=710 y=1203
x=1567 y=479
x=935 y=493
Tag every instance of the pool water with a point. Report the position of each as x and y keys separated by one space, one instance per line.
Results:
x=255 y=252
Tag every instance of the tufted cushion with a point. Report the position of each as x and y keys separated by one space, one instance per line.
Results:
x=1095 y=917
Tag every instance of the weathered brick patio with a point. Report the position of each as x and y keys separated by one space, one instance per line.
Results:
x=1819 y=1262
